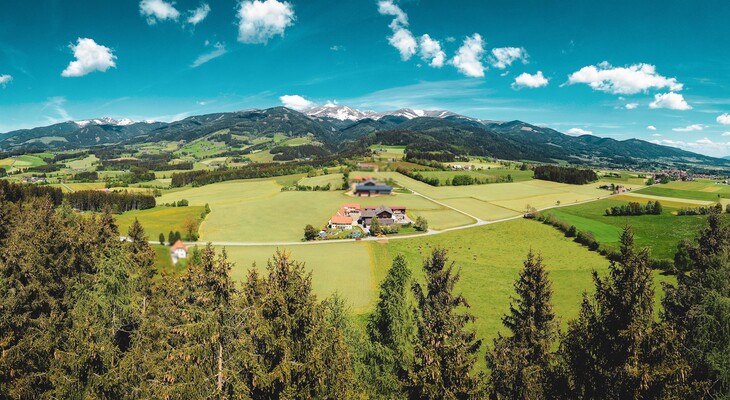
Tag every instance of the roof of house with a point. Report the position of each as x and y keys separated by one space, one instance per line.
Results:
x=351 y=205
x=373 y=188
x=397 y=208
x=179 y=245
x=340 y=219
x=371 y=212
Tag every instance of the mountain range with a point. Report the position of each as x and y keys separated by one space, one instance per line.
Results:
x=341 y=127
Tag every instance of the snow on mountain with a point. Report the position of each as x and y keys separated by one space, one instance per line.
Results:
x=345 y=113
x=109 y=121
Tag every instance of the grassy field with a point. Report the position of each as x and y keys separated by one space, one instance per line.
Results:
x=388 y=152
x=334 y=180
x=490 y=174
x=83 y=163
x=669 y=191
x=159 y=219
x=650 y=230
x=336 y=267
x=258 y=211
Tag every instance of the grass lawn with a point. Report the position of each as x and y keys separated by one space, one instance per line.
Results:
x=387 y=152
x=491 y=174
x=671 y=191
x=661 y=233
x=258 y=211
x=159 y=219
x=84 y=163
x=335 y=181
x=336 y=267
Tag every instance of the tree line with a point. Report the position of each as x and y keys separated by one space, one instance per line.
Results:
x=634 y=208
x=84 y=317
x=560 y=174
x=96 y=200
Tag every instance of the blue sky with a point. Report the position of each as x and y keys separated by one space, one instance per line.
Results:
x=655 y=70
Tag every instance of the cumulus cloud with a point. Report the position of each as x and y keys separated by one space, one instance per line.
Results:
x=90 y=57
x=402 y=38
x=220 y=49
x=703 y=146
x=726 y=134
x=199 y=14
x=651 y=127
x=468 y=59
x=430 y=51
x=296 y=102
x=503 y=57
x=689 y=128
x=656 y=135
x=526 y=80
x=631 y=106
x=578 y=132
x=623 y=80
x=259 y=21
x=671 y=100
x=723 y=119
x=5 y=79
x=158 y=10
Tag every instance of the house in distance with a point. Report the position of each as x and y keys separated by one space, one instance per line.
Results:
x=178 y=251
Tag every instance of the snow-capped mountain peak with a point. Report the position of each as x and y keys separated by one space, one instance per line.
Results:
x=345 y=113
x=108 y=121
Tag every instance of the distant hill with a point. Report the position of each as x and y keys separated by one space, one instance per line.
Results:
x=340 y=127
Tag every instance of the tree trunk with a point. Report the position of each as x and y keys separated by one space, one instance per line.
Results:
x=220 y=366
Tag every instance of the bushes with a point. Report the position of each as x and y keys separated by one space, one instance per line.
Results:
x=583 y=237
x=565 y=174
x=634 y=209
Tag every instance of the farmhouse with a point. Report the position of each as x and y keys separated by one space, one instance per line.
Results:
x=372 y=188
x=178 y=251
x=340 y=222
x=382 y=213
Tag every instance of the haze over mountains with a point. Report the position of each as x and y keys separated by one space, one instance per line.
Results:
x=338 y=127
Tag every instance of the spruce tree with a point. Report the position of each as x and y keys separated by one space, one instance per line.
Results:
x=445 y=351
x=697 y=307
x=615 y=350
x=520 y=363
x=391 y=330
x=142 y=258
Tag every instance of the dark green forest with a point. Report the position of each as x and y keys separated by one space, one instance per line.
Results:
x=86 y=315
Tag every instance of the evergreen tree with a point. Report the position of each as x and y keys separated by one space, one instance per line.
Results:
x=615 y=350
x=391 y=330
x=697 y=307
x=171 y=238
x=162 y=239
x=520 y=363
x=142 y=258
x=445 y=352
x=297 y=353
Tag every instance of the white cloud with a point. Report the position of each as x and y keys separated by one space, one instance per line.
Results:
x=656 y=135
x=671 y=100
x=90 y=57
x=690 y=128
x=296 y=102
x=337 y=47
x=199 y=14
x=55 y=104
x=158 y=10
x=726 y=134
x=651 y=127
x=220 y=49
x=402 y=38
x=260 y=21
x=468 y=58
x=578 y=132
x=623 y=80
x=5 y=79
x=503 y=57
x=530 y=81
x=431 y=51
x=702 y=146
x=724 y=119
x=631 y=106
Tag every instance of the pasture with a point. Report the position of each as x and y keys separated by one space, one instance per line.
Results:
x=258 y=211
x=159 y=220
x=650 y=230
x=489 y=174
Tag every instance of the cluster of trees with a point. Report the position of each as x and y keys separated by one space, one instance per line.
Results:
x=634 y=208
x=412 y=155
x=257 y=170
x=433 y=181
x=305 y=188
x=87 y=176
x=3 y=172
x=150 y=162
x=119 y=202
x=179 y=203
x=421 y=224
x=57 y=158
x=45 y=169
x=570 y=175
x=701 y=210
x=585 y=238
x=16 y=192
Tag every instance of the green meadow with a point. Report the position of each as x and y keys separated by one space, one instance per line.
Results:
x=159 y=219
